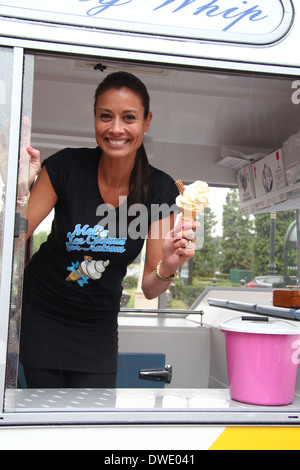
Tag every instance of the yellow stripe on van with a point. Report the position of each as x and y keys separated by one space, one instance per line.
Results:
x=258 y=439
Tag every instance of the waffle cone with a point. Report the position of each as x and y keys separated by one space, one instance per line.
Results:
x=74 y=276
x=188 y=215
x=80 y=272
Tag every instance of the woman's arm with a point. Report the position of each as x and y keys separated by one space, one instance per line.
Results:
x=173 y=250
x=41 y=202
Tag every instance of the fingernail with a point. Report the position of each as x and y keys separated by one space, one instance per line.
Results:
x=183 y=226
x=30 y=148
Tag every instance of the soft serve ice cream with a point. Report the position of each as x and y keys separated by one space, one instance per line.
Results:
x=193 y=199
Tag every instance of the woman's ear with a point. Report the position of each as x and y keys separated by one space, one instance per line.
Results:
x=147 y=123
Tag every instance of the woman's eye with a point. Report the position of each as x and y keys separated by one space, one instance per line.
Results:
x=105 y=116
x=129 y=117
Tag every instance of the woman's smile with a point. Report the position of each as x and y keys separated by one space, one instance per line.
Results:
x=117 y=143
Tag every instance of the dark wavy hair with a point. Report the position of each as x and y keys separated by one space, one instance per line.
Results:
x=139 y=178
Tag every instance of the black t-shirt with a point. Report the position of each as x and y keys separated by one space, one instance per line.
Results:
x=75 y=280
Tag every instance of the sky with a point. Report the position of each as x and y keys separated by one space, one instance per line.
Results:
x=217 y=200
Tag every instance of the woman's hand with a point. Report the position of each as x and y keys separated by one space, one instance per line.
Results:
x=179 y=246
x=29 y=162
x=34 y=164
x=173 y=250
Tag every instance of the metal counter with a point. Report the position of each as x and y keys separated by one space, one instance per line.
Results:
x=133 y=406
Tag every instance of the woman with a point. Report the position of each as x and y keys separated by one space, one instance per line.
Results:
x=72 y=286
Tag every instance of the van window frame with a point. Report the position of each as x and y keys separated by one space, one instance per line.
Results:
x=109 y=416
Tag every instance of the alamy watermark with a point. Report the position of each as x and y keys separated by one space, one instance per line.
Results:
x=133 y=222
x=296 y=93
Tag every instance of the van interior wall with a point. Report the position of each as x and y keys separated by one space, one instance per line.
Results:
x=196 y=113
x=190 y=162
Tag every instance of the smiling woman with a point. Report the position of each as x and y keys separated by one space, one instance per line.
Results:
x=73 y=284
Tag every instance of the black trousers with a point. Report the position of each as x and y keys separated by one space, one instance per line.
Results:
x=42 y=378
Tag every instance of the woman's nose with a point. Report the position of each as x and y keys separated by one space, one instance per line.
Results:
x=117 y=127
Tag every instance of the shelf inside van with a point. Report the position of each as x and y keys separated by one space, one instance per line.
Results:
x=261 y=309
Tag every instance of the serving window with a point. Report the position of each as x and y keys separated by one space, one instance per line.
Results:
x=200 y=117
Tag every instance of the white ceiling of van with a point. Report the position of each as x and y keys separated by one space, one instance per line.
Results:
x=195 y=113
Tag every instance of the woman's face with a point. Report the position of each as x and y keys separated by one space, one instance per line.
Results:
x=120 y=124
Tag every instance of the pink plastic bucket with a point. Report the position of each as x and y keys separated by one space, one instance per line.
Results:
x=262 y=359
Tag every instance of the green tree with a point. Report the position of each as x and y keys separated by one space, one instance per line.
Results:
x=261 y=251
x=205 y=259
x=217 y=243
x=236 y=244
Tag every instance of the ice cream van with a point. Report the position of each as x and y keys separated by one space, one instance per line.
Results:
x=224 y=83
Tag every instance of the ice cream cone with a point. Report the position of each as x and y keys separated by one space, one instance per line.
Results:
x=188 y=214
x=193 y=199
x=74 y=276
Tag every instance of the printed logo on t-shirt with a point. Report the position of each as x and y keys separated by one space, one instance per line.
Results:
x=91 y=239
x=88 y=269
x=94 y=239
